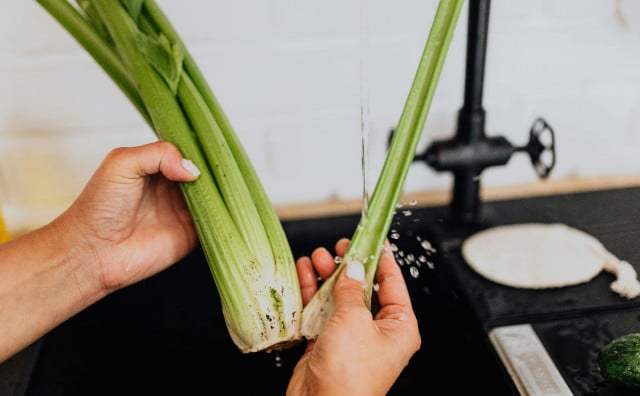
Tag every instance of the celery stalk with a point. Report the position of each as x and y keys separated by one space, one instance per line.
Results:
x=368 y=239
x=242 y=238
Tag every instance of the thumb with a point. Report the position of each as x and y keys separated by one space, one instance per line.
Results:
x=349 y=288
x=134 y=163
x=164 y=157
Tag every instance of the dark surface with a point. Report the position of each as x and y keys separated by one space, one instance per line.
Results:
x=166 y=335
x=574 y=345
x=613 y=217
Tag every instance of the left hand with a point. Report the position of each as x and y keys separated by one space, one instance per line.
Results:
x=133 y=215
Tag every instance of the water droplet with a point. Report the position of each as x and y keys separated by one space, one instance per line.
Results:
x=407 y=213
x=376 y=287
x=278 y=359
x=337 y=259
x=413 y=202
x=394 y=235
x=414 y=272
x=394 y=247
x=426 y=245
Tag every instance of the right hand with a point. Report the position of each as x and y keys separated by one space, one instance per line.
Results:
x=356 y=353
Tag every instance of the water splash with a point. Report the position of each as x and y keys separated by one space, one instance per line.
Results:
x=415 y=262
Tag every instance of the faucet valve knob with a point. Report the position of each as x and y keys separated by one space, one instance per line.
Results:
x=541 y=147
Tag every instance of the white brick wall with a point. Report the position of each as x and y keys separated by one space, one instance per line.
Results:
x=288 y=74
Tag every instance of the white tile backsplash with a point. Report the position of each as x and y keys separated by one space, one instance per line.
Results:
x=288 y=75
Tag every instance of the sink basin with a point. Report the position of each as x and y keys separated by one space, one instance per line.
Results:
x=166 y=335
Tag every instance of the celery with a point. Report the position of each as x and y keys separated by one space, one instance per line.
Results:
x=367 y=241
x=243 y=240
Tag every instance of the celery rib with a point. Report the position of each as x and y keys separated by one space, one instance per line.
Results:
x=368 y=239
x=243 y=240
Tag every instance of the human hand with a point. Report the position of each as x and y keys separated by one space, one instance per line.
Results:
x=133 y=215
x=356 y=353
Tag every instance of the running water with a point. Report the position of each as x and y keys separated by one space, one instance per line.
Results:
x=414 y=263
x=364 y=104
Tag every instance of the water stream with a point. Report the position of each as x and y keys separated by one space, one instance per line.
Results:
x=364 y=103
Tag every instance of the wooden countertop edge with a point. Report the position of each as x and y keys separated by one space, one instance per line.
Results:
x=436 y=198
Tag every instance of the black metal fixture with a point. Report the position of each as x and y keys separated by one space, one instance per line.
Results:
x=470 y=151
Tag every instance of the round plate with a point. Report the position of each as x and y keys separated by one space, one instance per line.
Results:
x=535 y=255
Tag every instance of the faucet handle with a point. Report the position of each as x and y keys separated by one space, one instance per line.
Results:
x=541 y=147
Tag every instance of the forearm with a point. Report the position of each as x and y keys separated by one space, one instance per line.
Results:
x=45 y=278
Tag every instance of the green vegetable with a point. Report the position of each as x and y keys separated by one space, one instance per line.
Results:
x=240 y=233
x=619 y=360
x=368 y=240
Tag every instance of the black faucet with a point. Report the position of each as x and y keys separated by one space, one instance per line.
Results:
x=470 y=151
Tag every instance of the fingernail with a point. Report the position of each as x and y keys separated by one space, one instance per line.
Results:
x=355 y=270
x=191 y=167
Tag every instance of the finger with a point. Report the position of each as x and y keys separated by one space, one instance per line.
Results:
x=341 y=246
x=307 y=279
x=392 y=288
x=323 y=262
x=172 y=164
x=348 y=292
x=152 y=158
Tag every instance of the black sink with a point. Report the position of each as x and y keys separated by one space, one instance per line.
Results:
x=166 y=335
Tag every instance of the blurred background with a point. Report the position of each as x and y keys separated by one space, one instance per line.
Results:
x=293 y=77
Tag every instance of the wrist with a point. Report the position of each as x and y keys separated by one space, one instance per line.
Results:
x=78 y=255
x=48 y=276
